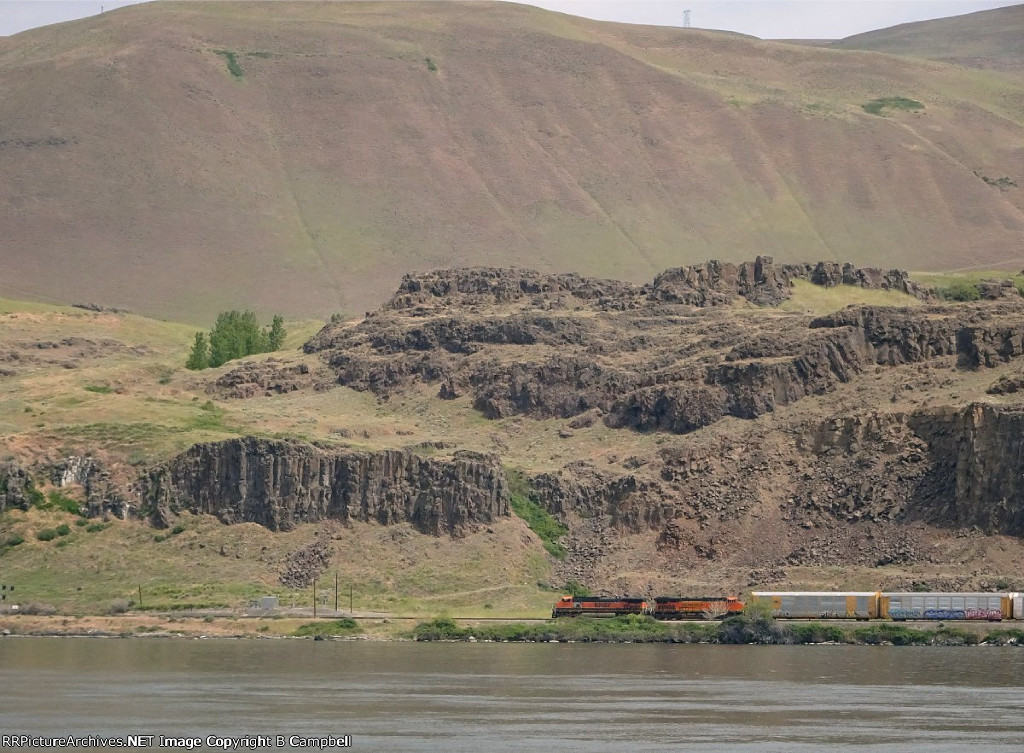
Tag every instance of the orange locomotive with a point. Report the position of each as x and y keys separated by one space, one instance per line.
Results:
x=573 y=606
x=695 y=608
x=664 y=607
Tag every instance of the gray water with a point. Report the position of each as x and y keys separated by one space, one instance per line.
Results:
x=414 y=697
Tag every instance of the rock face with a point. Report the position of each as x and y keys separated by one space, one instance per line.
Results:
x=16 y=486
x=671 y=356
x=977 y=476
x=280 y=484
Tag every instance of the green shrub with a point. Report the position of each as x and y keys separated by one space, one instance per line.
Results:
x=61 y=502
x=897 y=635
x=101 y=389
x=876 y=106
x=14 y=540
x=431 y=65
x=232 y=60
x=95 y=527
x=814 y=632
x=344 y=626
x=159 y=537
x=178 y=529
x=439 y=629
x=958 y=290
x=82 y=522
x=575 y=588
x=63 y=529
x=46 y=534
x=754 y=625
x=539 y=520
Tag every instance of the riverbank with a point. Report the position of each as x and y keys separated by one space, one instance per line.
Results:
x=745 y=629
x=739 y=630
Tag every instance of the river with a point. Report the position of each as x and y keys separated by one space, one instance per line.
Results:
x=412 y=697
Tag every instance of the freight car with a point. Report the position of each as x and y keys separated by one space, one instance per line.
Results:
x=598 y=606
x=947 y=606
x=695 y=607
x=863 y=605
x=821 y=605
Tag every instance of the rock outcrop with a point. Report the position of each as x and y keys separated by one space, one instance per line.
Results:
x=280 y=484
x=666 y=357
x=17 y=489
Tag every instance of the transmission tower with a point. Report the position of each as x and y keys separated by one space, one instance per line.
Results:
x=686 y=19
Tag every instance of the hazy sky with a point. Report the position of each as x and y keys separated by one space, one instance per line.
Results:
x=768 y=19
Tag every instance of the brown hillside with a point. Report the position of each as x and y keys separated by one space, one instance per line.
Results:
x=989 y=39
x=139 y=171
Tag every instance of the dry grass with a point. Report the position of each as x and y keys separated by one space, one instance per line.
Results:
x=808 y=298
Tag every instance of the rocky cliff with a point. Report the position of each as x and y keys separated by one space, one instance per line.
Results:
x=280 y=484
x=669 y=356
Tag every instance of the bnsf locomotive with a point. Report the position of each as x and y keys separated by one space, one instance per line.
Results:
x=815 y=605
x=663 y=608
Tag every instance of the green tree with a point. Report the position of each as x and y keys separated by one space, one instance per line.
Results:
x=277 y=333
x=236 y=335
x=199 y=358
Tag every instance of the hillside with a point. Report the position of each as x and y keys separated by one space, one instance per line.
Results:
x=992 y=39
x=719 y=428
x=178 y=159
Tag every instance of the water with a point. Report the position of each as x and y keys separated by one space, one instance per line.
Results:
x=414 y=697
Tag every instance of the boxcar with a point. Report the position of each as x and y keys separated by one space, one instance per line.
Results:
x=821 y=605
x=1018 y=606
x=600 y=606
x=946 y=606
x=695 y=607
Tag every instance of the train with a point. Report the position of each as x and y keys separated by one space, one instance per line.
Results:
x=812 y=605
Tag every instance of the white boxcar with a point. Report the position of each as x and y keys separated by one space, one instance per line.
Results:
x=946 y=606
x=821 y=605
x=1018 y=606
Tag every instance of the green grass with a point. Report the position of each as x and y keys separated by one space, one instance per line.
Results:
x=877 y=106
x=963 y=286
x=232 y=61
x=58 y=501
x=539 y=520
x=100 y=389
x=340 y=628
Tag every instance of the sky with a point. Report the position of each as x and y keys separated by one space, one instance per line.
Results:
x=768 y=19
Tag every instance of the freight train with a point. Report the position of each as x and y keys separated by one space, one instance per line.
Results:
x=814 y=605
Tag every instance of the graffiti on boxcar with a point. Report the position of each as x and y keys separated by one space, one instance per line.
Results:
x=984 y=614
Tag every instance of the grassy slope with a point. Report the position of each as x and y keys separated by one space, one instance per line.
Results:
x=989 y=39
x=339 y=160
x=46 y=413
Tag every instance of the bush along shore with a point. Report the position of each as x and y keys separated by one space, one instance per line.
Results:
x=756 y=628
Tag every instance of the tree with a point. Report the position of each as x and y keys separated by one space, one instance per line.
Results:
x=277 y=334
x=235 y=334
x=199 y=358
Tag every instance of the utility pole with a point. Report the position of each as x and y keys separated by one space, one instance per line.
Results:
x=349 y=599
x=314 y=597
x=140 y=594
x=335 y=592
x=686 y=19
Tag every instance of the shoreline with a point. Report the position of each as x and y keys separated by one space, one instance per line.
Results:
x=738 y=631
